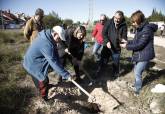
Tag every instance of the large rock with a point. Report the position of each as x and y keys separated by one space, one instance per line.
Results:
x=106 y=101
x=157 y=105
x=155 y=108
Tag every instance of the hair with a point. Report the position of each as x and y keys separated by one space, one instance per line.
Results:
x=81 y=29
x=104 y=16
x=120 y=13
x=39 y=11
x=138 y=17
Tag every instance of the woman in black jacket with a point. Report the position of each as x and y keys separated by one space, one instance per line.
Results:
x=142 y=46
x=75 y=41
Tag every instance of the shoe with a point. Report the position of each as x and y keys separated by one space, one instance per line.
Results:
x=132 y=87
x=43 y=89
x=137 y=92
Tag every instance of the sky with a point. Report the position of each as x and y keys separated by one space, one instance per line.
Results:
x=78 y=10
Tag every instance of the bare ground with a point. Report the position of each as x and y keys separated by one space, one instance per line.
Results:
x=114 y=96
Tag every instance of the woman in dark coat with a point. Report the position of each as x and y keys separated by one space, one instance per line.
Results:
x=75 y=41
x=142 y=46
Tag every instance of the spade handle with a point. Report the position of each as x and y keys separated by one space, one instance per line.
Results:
x=83 y=90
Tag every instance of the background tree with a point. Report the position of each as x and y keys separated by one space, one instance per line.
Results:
x=156 y=16
x=128 y=20
x=78 y=23
x=52 y=19
x=68 y=22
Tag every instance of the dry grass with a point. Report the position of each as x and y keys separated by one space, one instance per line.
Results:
x=12 y=97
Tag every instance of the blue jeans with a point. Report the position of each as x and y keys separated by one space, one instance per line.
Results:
x=97 y=50
x=139 y=67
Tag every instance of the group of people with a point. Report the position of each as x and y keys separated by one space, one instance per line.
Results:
x=51 y=47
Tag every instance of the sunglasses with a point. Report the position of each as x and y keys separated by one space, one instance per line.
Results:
x=102 y=20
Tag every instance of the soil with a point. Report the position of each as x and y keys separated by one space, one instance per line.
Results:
x=113 y=95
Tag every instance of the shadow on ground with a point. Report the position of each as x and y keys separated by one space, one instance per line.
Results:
x=14 y=100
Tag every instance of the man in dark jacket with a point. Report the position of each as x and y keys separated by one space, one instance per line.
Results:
x=142 y=46
x=113 y=32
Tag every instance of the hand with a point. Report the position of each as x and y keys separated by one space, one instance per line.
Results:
x=123 y=45
x=67 y=51
x=124 y=41
x=71 y=77
x=109 y=45
x=93 y=38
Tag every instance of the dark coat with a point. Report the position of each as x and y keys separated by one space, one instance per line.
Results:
x=110 y=33
x=75 y=46
x=61 y=46
x=143 y=42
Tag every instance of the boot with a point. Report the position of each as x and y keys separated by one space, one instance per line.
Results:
x=43 y=89
x=115 y=70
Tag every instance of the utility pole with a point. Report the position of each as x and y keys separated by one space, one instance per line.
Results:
x=90 y=18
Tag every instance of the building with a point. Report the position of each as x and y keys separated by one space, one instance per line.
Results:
x=9 y=20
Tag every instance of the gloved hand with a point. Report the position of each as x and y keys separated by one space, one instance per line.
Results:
x=71 y=77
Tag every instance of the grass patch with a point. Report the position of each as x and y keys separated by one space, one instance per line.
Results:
x=13 y=99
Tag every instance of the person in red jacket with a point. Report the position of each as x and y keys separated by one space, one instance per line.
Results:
x=97 y=35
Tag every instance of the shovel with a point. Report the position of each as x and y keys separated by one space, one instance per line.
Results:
x=82 y=68
x=93 y=107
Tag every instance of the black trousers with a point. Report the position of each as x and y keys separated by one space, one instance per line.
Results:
x=106 y=53
x=71 y=59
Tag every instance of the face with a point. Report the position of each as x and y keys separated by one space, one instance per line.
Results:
x=56 y=37
x=134 y=23
x=102 y=20
x=80 y=35
x=117 y=18
x=39 y=17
